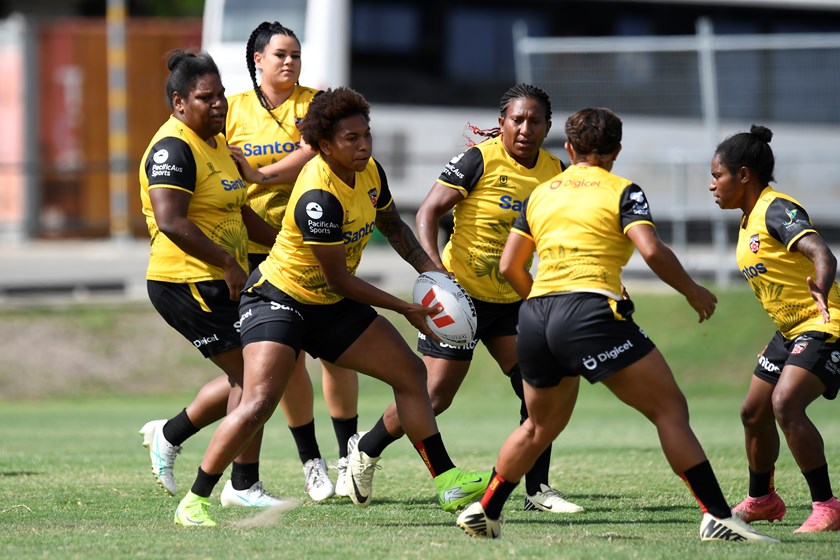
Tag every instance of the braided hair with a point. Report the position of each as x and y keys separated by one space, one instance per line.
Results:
x=749 y=149
x=519 y=91
x=259 y=39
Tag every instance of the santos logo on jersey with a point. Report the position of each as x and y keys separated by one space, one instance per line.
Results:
x=236 y=184
x=750 y=272
x=507 y=202
x=269 y=149
x=353 y=236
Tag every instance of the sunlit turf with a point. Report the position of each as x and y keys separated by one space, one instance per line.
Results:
x=75 y=481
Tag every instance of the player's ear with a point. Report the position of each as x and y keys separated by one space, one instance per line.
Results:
x=325 y=147
x=177 y=103
x=570 y=150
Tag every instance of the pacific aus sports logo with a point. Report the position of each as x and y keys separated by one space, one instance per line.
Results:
x=314 y=210
x=441 y=319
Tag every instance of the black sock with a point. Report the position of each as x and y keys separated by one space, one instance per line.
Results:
x=204 y=483
x=703 y=484
x=179 y=428
x=515 y=378
x=434 y=454
x=498 y=491
x=819 y=484
x=761 y=484
x=377 y=439
x=307 y=443
x=344 y=429
x=244 y=476
x=538 y=473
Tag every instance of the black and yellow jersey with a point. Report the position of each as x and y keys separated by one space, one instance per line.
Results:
x=777 y=275
x=578 y=222
x=494 y=185
x=178 y=159
x=324 y=211
x=251 y=128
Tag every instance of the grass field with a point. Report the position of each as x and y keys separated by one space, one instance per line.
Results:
x=75 y=482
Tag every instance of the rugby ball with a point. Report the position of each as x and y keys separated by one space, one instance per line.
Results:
x=455 y=324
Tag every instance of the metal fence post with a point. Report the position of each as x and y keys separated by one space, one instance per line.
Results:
x=711 y=117
x=117 y=120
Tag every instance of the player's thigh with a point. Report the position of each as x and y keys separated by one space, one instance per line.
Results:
x=444 y=377
x=381 y=352
x=648 y=385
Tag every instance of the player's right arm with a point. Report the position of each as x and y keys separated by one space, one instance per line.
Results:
x=170 y=193
x=518 y=251
x=440 y=200
x=665 y=264
x=170 y=208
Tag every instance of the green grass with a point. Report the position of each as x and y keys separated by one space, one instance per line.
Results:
x=75 y=482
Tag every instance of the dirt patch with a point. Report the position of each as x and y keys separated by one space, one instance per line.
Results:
x=100 y=349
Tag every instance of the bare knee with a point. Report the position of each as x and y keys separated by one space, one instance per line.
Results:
x=412 y=377
x=670 y=411
x=788 y=411
x=256 y=411
x=749 y=416
x=440 y=402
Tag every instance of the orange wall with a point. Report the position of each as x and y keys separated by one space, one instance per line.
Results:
x=72 y=102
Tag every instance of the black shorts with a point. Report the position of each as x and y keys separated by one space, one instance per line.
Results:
x=201 y=311
x=810 y=351
x=323 y=331
x=493 y=320
x=578 y=333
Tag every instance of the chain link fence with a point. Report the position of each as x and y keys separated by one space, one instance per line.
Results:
x=679 y=96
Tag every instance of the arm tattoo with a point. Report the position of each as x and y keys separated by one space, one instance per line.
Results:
x=401 y=238
x=825 y=263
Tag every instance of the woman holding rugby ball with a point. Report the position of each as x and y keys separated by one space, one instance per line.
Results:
x=306 y=297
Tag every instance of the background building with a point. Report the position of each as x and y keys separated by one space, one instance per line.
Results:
x=430 y=68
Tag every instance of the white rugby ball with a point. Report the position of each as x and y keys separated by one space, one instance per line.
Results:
x=455 y=324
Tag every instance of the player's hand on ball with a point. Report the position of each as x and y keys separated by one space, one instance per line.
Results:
x=417 y=314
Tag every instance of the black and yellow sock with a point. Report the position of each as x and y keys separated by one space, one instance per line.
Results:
x=702 y=482
x=497 y=493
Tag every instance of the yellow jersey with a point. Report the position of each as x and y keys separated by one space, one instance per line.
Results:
x=777 y=275
x=578 y=221
x=324 y=210
x=494 y=186
x=177 y=158
x=251 y=128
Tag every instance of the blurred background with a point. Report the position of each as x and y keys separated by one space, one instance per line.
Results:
x=82 y=93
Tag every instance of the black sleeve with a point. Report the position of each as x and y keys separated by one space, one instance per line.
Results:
x=521 y=222
x=464 y=170
x=318 y=215
x=634 y=206
x=785 y=221
x=171 y=162
x=385 y=197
